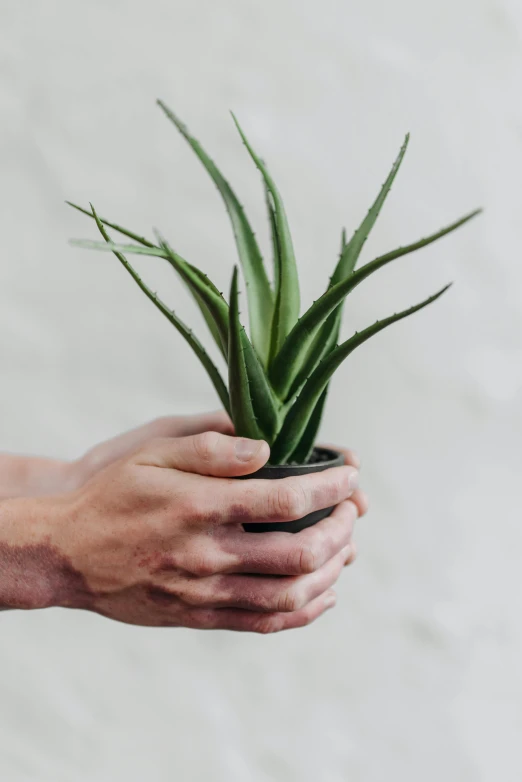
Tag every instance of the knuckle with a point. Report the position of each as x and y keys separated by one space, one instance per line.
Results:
x=161 y=595
x=169 y=563
x=306 y=559
x=190 y=507
x=205 y=445
x=193 y=507
x=194 y=598
x=289 y=601
x=202 y=565
x=265 y=625
x=332 y=492
x=289 y=500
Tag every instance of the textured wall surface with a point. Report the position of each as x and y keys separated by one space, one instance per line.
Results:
x=416 y=674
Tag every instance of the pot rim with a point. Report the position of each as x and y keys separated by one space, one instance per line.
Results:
x=332 y=461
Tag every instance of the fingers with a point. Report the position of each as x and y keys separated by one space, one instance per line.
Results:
x=264 y=593
x=208 y=453
x=215 y=421
x=350 y=457
x=360 y=500
x=258 y=622
x=285 y=499
x=169 y=426
x=279 y=553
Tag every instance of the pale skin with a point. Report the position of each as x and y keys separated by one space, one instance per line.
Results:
x=147 y=529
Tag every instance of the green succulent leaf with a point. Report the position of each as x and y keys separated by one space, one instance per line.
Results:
x=214 y=307
x=241 y=404
x=299 y=415
x=293 y=355
x=259 y=292
x=205 y=311
x=185 y=332
x=302 y=453
x=351 y=251
x=276 y=250
x=279 y=376
x=265 y=404
x=287 y=303
x=323 y=343
x=267 y=407
x=198 y=283
x=118 y=228
x=147 y=243
x=129 y=249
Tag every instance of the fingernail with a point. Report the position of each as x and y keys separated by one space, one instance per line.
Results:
x=246 y=449
x=353 y=480
x=330 y=600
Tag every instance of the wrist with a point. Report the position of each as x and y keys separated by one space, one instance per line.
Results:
x=31 y=568
x=64 y=477
x=31 y=476
x=71 y=475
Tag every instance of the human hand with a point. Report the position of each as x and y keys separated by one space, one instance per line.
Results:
x=359 y=497
x=100 y=456
x=157 y=539
x=31 y=476
x=106 y=453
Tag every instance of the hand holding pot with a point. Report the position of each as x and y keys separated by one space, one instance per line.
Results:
x=157 y=538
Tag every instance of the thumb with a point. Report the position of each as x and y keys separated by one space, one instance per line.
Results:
x=208 y=453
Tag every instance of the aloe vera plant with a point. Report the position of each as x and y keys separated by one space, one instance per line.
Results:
x=278 y=372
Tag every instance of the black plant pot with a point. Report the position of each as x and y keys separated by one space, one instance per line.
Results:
x=322 y=459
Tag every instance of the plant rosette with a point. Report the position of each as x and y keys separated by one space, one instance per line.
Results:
x=278 y=373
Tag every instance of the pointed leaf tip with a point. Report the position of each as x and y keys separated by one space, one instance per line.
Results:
x=259 y=291
x=296 y=421
x=194 y=343
x=286 y=310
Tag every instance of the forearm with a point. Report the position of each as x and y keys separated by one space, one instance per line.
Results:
x=27 y=562
x=16 y=531
x=31 y=476
x=30 y=564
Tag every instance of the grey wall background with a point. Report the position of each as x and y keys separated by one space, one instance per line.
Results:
x=416 y=674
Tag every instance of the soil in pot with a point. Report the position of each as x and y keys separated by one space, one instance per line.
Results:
x=321 y=459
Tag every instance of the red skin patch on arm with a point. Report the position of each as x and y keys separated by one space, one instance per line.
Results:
x=39 y=576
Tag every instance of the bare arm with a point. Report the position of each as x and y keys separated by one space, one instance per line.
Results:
x=149 y=531
x=157 y=539
x=30 y=476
